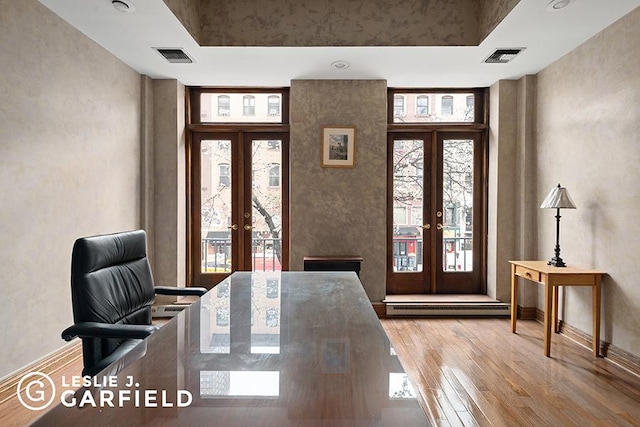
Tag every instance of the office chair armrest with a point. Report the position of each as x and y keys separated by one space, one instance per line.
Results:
x=107 y=330
x=169 y=290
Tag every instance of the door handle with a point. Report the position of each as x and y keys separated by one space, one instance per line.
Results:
x=439 y=226
x=248 y=227
x=233 y=227
x=426 y=226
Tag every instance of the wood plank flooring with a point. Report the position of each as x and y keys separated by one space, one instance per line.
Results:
x=12 y=413
x=475 y=372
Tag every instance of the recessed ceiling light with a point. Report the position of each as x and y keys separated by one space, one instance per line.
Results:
x=340 y=65
x=555 y=5
x=123 y=6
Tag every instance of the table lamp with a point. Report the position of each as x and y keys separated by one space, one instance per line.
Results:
x=558 y=198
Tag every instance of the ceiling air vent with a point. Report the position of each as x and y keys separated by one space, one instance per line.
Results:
x=502 y=56
x=174 y=55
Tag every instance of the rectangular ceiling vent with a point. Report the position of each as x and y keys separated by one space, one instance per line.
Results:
x=502 y=56
x=174 y=55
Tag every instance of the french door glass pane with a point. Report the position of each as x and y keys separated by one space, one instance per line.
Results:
x=457 y=205
x=266 y=199
x=216 y=206
x=408 y=196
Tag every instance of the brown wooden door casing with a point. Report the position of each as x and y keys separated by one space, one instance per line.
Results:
x=413 y=282
x=240 y=199
x=433 y=279
x=462 y=282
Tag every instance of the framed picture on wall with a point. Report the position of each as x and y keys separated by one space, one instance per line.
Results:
x=339 y=147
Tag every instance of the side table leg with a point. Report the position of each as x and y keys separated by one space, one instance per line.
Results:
x=548 y=307
x=596 y=316
x=556 y=326
x=514 y=298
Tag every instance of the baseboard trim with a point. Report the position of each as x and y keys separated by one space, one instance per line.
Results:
x=48 y=364
x=620 y=357
x=380 y=308
x=527 y=313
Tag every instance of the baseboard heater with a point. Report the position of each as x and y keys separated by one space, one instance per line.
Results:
x=448 y=310
x=166 y=310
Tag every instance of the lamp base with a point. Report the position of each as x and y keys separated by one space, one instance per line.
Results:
x=556 y=261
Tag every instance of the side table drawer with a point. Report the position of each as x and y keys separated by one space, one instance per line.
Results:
x=527 y=273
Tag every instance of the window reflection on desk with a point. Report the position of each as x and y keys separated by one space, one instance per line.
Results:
x=256 y=315
x=399 y=385
x=255 y=320
x=239 y=384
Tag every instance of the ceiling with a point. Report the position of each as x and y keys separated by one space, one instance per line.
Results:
x=546 y=36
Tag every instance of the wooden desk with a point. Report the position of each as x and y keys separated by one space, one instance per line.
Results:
x=269 y=349
x=552 y=278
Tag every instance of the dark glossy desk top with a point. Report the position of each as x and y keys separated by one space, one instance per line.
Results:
x=260 y=349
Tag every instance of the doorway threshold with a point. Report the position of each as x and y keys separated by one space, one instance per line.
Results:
x=445 y=305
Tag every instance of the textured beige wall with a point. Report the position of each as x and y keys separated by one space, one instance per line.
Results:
x=588 y=125
x=337 y=211
x=69 y=167
x=188 y=12
x=147 y=177
x=525 y=194
x=503 y=101
x=491 y=13
x=169 y=183
x=339 y=23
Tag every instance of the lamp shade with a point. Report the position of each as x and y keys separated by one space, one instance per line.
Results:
x=558 y=198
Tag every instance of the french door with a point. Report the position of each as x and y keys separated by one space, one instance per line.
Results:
x=435 y=212
x=239 y=204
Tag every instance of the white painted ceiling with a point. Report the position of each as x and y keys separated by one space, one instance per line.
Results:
x=546 y=36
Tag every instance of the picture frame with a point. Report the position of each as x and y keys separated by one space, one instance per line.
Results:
x=335 y=356
x=338 y=147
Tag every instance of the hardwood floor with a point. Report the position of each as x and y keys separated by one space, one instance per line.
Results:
x=475 y=372
x=12 y=413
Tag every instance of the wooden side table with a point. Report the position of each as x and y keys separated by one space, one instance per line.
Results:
x=553 y=277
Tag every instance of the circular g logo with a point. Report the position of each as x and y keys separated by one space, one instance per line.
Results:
x=36 y=386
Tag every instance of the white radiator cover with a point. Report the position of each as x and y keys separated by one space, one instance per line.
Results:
x=409 y=309
x=169 y=310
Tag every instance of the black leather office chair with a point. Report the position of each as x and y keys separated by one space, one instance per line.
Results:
x=112 y=291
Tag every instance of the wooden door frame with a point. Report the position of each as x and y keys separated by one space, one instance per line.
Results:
x=247 y=203
x=417 y=279
x=466 y=281
x=435 y=136
x=195 y=125
x=241 y=199
x=194 y=204
x=480 y=125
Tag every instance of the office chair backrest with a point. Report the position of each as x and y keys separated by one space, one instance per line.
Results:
x=111 y=282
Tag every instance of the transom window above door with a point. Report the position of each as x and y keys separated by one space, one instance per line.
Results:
x=436 y=106
x=240 y=107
